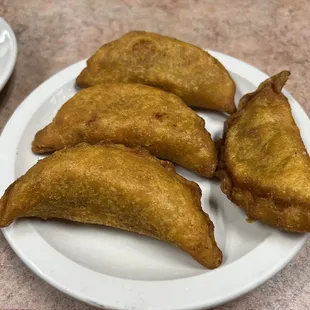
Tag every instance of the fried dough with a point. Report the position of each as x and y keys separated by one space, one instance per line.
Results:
x=115 y=186
x=264 y=166
x=175 y=66
x=133 y=115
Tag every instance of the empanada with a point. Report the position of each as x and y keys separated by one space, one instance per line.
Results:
x=115 y=186
x=264 y=166
x=133 y=115
x=175 y=66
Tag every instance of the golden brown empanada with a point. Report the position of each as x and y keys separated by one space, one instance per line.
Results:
x=175 y=66
x=115 y=186
x=133 y=115
x=264 y=166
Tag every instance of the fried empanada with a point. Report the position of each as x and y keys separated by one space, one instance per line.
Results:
x=175 y=66
x=133 y=115
x=264 y=166
x=115 y=186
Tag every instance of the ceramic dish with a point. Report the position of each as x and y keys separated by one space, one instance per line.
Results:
x=113 y=269
x=8 y=52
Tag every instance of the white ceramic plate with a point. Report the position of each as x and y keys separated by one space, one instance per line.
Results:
x=113 y=269
x=8 y=52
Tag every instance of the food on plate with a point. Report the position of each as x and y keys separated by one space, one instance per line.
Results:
x=115 y=186
x=133 y=115
x=175 y=66
x=264 y=166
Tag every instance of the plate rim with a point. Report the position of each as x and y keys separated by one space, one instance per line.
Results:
x=9 y=69
x=140 y=294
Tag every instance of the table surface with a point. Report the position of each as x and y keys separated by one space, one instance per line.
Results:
x=271 y=35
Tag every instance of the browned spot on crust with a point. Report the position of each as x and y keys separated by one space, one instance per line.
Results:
x=92 y=119
x=144 y=49
x=159 y=115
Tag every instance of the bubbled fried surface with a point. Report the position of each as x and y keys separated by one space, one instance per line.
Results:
x=160 y=61
x=115 y=186
x=265 y=165
x=134 y=115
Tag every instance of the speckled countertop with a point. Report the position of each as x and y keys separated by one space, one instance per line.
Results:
x=271 y=35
